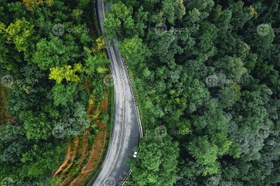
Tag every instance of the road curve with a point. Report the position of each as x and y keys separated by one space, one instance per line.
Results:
x=127 y=125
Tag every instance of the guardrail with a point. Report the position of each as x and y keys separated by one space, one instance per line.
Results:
x=135 y=97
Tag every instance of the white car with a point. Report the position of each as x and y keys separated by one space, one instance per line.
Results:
x=135 y=154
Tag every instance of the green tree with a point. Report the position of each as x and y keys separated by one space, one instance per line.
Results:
x=205 y=153
x=156 y=163
x=64 y=94
x=134 y=50
x=37 y=127
x=119 y=20
x=54 y=52
x=19 y=34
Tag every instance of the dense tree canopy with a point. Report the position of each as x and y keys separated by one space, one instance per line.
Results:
x=211 y=77
x=48 y=51
x=205 y=72
x=164 y=154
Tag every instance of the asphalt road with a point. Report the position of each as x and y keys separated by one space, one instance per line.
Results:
x=127 y=125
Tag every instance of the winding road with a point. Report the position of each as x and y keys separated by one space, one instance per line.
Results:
x=127 y=129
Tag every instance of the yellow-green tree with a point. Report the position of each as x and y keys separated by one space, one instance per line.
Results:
x=32 y=4
x=18 y=33
x=67 y=72
x=100 y=43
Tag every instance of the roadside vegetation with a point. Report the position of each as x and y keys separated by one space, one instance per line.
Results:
x=55 y=92
x=207 y=78
x=4 y=116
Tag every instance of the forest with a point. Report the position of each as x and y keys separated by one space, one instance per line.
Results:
x=207 y=80
x=55 y=93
